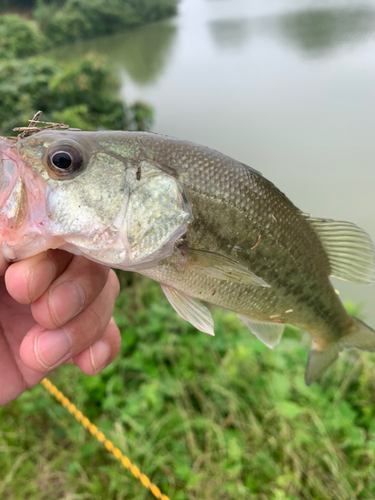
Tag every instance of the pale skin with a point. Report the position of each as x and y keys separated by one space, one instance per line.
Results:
x=55 y=308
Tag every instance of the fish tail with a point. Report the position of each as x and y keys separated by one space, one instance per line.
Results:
x=360 y=336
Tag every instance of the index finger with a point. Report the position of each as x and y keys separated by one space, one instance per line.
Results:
x=28 y=279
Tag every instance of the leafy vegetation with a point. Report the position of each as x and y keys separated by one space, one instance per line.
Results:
x=206 y=418
x=82 y=95
x=63 y=21
x=19 y=37
x=88 y=18
x=17 y=4
x=85 y=94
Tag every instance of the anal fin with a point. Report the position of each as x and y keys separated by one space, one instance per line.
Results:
x=267 y=332
x=319 y=360
x=190 y=309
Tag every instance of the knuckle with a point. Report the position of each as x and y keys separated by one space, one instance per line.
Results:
x=115 y=339
x=87 y=330
x=114 y=282
x=100 y=271
x=95 y=320
x=97 y=272
x=60 y=258
x=90 y=265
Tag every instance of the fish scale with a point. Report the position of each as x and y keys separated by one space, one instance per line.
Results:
x=284 y=294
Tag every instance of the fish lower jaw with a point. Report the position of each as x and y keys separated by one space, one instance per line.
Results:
x=118 y=252
x=10 y=187
x=21 y=245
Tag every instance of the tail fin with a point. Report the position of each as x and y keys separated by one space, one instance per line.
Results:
x=360 y=336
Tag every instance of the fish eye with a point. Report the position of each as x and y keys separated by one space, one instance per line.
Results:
x=64 y=159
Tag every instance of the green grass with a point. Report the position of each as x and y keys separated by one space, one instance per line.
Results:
x=205 y=418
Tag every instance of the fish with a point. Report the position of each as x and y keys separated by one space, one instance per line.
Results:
x=208 y=228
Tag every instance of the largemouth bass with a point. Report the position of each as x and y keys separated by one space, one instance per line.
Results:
x=200 y=223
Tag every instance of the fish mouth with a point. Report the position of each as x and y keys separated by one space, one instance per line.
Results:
x=9 y=171
x=8 y=164
x=22 y=205
x=13 y=196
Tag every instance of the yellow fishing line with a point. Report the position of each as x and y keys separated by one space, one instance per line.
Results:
x=102 y=439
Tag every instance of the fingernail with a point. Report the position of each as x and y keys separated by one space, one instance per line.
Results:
x=52 y=345
x=41 y=276
x=99 y=354
x=66 y=301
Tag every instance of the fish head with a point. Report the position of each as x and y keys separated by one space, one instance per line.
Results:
x=91 y=193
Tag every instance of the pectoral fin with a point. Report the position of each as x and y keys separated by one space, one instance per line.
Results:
x=267 y=332
x=190 y=309
x=219 y=267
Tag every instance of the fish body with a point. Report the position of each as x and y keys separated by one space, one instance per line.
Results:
x=200 y=223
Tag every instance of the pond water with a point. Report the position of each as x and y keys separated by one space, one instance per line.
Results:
x=285 y=86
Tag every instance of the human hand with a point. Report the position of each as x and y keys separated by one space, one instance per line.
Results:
x=54 y=308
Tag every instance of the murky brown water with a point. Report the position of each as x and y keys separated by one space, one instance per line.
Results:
x=287 y=87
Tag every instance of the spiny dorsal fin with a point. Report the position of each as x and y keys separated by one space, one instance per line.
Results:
x=268 y=333
x=190 y=309
x=219 y=267
x=349 y=249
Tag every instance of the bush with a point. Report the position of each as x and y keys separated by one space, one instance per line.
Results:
x=17 y=4
x=79 y=19
x=20 y=37
x=83 y=95
x=24 y=88
x=140 y=116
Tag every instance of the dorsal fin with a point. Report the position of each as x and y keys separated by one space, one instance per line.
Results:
x=349 y=249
